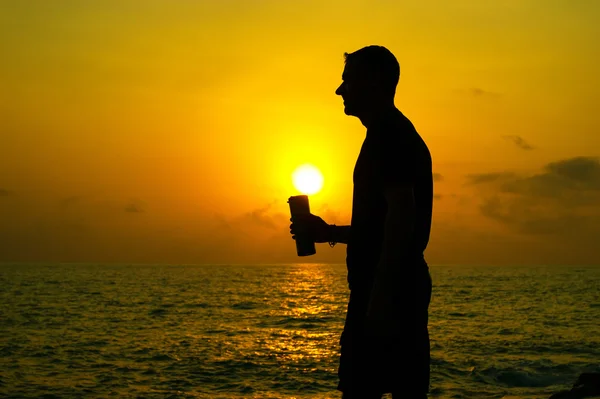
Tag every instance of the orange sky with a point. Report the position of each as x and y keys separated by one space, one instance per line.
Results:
x=167 y=131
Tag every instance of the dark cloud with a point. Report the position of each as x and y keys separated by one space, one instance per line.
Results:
x=102 y=230
x=479 y=178
x=249 y=225
x=437 y=196
x=519 y=142
x=574 y=181
x=478 y=92
x=582 y=170
x=134 y=208
x=263 y=235
x=438 y=177
x=259 y=217
x=534 y=217
x=560 y=203
x=4 y=192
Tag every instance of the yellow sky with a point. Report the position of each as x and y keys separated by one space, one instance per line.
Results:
x=167 y=131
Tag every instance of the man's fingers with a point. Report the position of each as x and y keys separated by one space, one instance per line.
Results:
x=301 y=217
x=299 y=227
x=294 y=228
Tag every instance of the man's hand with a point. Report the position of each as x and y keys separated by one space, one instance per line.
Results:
x=310 y=226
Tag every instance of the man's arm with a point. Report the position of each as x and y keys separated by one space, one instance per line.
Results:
x=318 y=230
x=398 y=229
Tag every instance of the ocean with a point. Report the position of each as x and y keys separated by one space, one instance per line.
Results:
x=272 y=331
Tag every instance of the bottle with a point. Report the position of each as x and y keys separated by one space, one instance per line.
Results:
x=299 y=206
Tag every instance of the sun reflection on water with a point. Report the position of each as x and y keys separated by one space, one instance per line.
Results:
x=310 y=313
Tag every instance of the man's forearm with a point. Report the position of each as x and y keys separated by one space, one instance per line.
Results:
x=339 y=234
x=395 y=248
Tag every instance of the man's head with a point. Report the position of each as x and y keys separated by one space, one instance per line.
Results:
x=369 y=80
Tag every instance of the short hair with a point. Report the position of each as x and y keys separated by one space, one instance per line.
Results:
x=378 y=61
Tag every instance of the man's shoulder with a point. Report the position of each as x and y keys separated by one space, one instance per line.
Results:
x=401 y=136
x=401 y=149
x=396 y=128
x=394 y=121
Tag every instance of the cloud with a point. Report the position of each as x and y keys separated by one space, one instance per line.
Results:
x=99 y=229
x=560 y=203
x=519 y=142
x=248 y=230
x=263 y=235
x=538 y=218
x=478 y=92
x=4 y=192
x=573 y=181
x=437 y=196
x=480 y=178
x=134 y=207
x=438 y=177
x=583 y=170
x=259 y=217
x=263 y=217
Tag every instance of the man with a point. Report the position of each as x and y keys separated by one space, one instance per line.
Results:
x=385 y=342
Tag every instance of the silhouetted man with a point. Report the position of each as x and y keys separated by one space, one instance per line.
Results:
x=385 y=342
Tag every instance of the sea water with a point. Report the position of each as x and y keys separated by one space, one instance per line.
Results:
x=272 y=331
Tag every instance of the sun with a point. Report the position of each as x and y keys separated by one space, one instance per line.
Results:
x=307 y=179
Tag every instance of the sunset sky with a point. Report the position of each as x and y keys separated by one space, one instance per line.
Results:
x=167 y=131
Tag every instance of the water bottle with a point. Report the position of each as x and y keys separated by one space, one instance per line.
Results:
x=299 y=206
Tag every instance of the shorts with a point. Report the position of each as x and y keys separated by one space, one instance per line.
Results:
x=397 y=363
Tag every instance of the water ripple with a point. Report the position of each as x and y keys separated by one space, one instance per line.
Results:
x=232 y=332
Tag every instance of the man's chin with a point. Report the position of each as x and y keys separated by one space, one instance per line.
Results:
x=349 y=111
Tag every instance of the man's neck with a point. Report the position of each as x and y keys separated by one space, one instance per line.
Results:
x=371 y=117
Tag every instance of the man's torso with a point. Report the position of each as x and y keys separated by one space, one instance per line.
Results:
x=393 y=152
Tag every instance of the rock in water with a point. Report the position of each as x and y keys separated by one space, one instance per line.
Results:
x=587 y=385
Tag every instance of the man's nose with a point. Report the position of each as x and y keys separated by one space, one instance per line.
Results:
x=339 y=90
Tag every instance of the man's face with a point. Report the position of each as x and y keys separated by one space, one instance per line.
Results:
x=356 y=90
